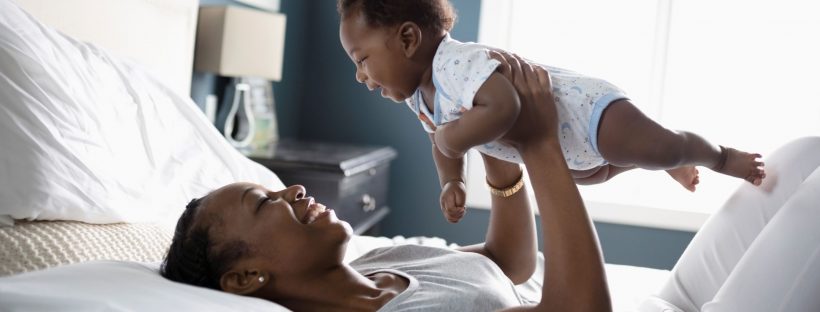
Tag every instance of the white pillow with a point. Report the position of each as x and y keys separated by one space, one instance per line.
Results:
x=86 y=136
x=115 y=286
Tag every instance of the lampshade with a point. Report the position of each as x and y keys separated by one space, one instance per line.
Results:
x=235 y=41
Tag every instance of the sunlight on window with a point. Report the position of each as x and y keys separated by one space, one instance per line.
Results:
x=600 y=43
x=739 y=73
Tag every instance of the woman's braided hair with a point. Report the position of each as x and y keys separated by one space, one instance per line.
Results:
x=430 y=15
x=193 y=258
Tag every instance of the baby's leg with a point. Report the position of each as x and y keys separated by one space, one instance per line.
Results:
x=628 y=137
x=686 y=176
x=598 y=175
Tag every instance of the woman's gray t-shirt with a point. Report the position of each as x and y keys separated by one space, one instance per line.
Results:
x=441 y=279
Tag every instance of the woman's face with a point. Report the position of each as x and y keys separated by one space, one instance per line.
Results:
x=287 y=232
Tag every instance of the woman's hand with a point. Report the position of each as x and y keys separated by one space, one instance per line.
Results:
x=538 y=118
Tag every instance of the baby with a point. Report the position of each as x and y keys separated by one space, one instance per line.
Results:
x=403 y=48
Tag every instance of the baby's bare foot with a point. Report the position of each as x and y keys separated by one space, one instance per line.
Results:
x=686 y=176
x=741 y=165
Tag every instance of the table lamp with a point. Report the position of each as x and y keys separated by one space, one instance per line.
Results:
x=248 y=46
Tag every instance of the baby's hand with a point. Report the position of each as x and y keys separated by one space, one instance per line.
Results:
x=453 y=194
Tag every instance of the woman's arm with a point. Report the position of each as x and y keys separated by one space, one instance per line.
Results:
x=574 y=277
x=495 y=108
x=510 y=240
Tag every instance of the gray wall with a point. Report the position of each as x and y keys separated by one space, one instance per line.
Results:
x=319 y=99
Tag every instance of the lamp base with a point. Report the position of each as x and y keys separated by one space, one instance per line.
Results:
x=236 y=121
x=247 y=116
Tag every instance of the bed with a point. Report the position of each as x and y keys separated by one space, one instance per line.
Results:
x=139 y=149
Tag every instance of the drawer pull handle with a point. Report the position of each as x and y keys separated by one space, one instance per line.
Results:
x=368 y=203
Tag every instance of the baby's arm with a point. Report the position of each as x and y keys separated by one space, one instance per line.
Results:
x=495 y=109
x=451 y=178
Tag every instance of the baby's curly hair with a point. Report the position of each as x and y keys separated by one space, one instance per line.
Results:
x=430 y=15
x=193 y=258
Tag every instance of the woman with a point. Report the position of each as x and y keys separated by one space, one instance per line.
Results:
x=284 y=247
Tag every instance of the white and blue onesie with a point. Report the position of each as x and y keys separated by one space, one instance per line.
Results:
x=459 y=70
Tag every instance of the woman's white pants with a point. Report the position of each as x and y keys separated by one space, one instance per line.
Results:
x=761 y=250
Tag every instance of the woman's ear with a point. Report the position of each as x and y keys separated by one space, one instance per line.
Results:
x=410 y=36
x=243 y=282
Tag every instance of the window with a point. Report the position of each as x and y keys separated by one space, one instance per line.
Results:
x=740 y=73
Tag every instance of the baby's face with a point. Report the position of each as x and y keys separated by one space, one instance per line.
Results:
x=379 y=56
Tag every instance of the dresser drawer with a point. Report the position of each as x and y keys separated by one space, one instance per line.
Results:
x=363 y=194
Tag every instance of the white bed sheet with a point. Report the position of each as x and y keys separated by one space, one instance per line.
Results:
x=136 y=286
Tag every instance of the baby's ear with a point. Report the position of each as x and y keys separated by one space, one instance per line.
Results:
x=410 y=36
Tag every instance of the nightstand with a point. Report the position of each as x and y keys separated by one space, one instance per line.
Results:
x=350 y=179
